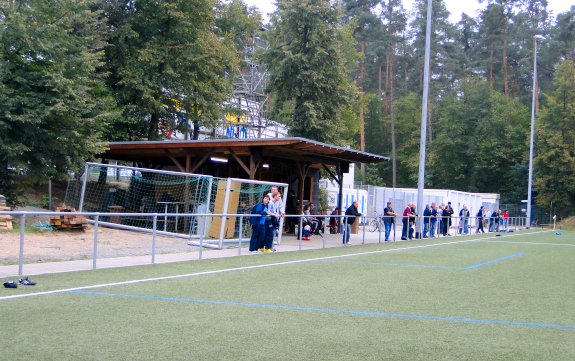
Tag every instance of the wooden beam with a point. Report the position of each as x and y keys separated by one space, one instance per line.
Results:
x=340 y=193
x=240 y=162
x=174 y=160
x=199 y=163
x=302 y=169
x=188 y=162
x=335 y=178
x=253 y=167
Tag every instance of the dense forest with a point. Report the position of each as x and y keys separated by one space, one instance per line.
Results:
x=77 y=73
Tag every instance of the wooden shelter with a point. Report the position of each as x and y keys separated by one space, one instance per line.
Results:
x=286 y=160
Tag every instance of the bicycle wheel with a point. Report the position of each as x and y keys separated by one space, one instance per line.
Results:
x=372 y=225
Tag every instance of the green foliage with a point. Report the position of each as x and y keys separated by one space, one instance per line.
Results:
x=323 y=199
x=446 y=55
x=236 y=22
x=563 y=41
x=481 y=143
x=76 y=72
x=166 y=63
x=555 y=161
x=52 y=110
x=407 y=129
x=307 y=67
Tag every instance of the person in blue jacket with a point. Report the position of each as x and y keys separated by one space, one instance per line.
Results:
x=259 y=225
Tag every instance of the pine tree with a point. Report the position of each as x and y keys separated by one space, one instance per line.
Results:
x=394 y=19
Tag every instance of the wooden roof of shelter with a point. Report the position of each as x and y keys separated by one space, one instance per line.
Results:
x=274 y=159
x=189 y=155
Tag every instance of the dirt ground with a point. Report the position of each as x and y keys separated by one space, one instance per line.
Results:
x=45 y=246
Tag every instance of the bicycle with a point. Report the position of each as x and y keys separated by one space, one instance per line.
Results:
x=376 y=224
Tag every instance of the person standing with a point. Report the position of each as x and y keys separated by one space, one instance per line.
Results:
x=505 y=216
x=440 y=219
x=412 y=222
x=258 y=224
x=388 y=220
x=480 y=220
x=494 y=221
x=464 y=220
x=351 y=215
x=273 y=221
x=433 y=221
x=405 y=222
x=447 y=213
x=426 y=220
x=278 y=204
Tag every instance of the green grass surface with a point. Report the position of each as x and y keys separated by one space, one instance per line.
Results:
x=507 y=298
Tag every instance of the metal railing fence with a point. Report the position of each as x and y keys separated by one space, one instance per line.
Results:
x=162 y=238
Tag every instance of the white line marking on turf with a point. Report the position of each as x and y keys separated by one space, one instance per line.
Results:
x=535 y=243
x=225 y=270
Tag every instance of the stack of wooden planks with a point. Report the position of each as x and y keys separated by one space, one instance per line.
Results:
x=5 y=220
x=68 y=222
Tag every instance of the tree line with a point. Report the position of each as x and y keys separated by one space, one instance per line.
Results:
x=77 y=73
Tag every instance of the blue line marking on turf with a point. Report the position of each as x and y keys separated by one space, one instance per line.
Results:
x=494 y=261
x=397 y=264
x=332 y=310
x=432 y=266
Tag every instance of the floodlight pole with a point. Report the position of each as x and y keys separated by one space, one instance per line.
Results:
x=532 y=137
x=426 y=72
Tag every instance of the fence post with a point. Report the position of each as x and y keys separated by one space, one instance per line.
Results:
x=154 y=229
x=299 y=231
x=201 y=242
x=379 y=222
x=95 y=250
x=240 y=236
x=325 y=224
x=21 y=254
x=363 y=233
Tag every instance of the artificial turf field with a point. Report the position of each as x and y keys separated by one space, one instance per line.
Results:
x=492 y=298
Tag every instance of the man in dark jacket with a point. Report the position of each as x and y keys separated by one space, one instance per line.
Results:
x=433 y=221
x=447 y=213
x=426 y=220
x=494 y=221
x=480 y=221
x=388 y=220
x=351 y=215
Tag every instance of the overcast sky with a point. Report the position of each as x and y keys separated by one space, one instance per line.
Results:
x=455 y=7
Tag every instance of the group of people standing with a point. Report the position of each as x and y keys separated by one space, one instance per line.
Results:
x=495 y=222
x=437 y=220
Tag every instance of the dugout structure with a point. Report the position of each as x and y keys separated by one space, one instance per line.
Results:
x=186 y=205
